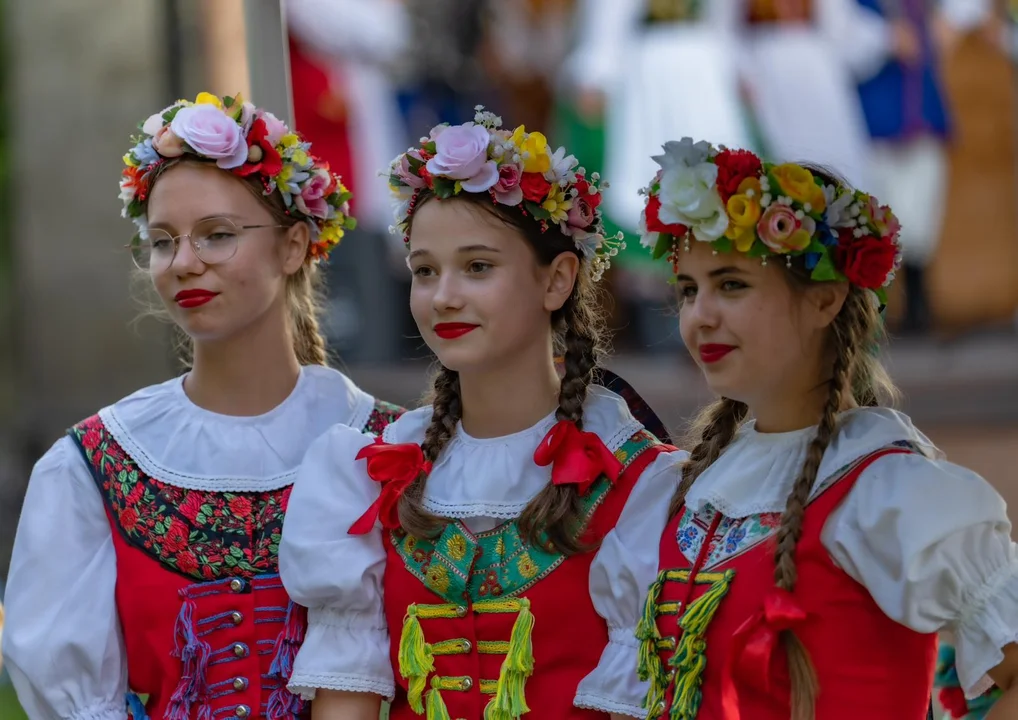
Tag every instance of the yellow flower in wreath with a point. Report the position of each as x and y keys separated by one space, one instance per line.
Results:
x=743 y=213
x=797 y=183
x=526 y=565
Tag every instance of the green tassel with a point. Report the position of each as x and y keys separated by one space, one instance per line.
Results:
x=649 y=665
x=699 y=613
x=416 y=661
x=510 y=699
x=690 y=658
x=436 y=705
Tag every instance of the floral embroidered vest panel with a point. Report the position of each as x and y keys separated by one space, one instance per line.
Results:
x=493 y=626
x=703 y=635
x=210 y=632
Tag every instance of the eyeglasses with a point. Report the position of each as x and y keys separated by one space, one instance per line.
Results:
x=214 y=240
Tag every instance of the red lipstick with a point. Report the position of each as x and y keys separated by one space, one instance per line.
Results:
x=711 y=352
x=193 y=298
x=451 y=331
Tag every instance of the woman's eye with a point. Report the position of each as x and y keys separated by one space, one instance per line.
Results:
x=687 y=291
x=732 y=285
x=479 y=267
x=422 y=271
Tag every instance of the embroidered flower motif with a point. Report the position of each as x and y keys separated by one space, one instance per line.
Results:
x=732 y=539
x=526 y=566
x=203 y=535
x=188 y=563
x=129 y=519
x=688 y=538
x=437 y=578
x=456 y=547
x=491 y=587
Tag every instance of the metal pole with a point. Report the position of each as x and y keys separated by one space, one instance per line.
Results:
x=268 y=57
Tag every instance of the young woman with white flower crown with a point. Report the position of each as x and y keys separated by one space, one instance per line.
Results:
x=445 y=565
x=145 y=564
x=810 y=555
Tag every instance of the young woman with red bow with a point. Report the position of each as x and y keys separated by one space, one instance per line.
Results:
x=446 y=565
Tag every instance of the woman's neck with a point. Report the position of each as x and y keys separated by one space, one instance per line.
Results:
x=247 y=374
x=513 y=397
x=785 y=412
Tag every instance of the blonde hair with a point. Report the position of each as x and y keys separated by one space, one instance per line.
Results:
x=857 y=376
x=304 y=289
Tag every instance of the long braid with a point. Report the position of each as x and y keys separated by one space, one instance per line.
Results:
x=847 y=336
x=714 y=429
x=305 y=308
x=557 y=509
x=447 y=409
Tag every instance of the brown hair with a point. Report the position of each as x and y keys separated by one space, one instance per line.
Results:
x=303 y=289
x=577 y=325
x=857 y=375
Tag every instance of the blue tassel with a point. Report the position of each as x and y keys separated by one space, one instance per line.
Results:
x=136 y=707
x=194 y=658
x=283 y=705
x=288 y=642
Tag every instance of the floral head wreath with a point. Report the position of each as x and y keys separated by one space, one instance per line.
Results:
x=517 y=169
x=736 y=202
x=246 y=141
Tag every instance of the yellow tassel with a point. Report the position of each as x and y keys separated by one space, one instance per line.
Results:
x=416 y=660
x=436 y=705
x=649 y=665
x=491 y=712
x=690 y=658
x=510 y=700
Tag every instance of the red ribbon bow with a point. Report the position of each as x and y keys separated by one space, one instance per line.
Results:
x=395 y=467
x=577 y=457
x=754 y=645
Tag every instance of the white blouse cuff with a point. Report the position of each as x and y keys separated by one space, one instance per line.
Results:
x=102 y=710
x=613 y=686
x=988 y=623
x=343 y=651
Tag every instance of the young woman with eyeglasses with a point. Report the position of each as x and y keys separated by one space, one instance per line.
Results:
x=145 y=561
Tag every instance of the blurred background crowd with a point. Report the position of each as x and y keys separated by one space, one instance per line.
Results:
x=914 y=100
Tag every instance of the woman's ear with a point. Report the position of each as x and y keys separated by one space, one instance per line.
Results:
x=294 y=250
x=825 y=300
x=561 y=279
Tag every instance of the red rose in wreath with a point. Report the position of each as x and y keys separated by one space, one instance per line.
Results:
x=865 y=261
x=734 y=166
x=583 y=190
x=535 y=188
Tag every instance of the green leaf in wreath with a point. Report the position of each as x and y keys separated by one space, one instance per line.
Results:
x=444 y=187
x=722 y=245
x=663 y=246
x=825 y=270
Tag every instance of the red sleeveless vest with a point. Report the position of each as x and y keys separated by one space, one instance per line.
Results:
x=210 y=632
x=472 y=606
x=722 y=650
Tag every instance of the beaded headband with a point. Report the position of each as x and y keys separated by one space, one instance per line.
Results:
x=517 y=169
x=736 y=202
x=246 y=141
